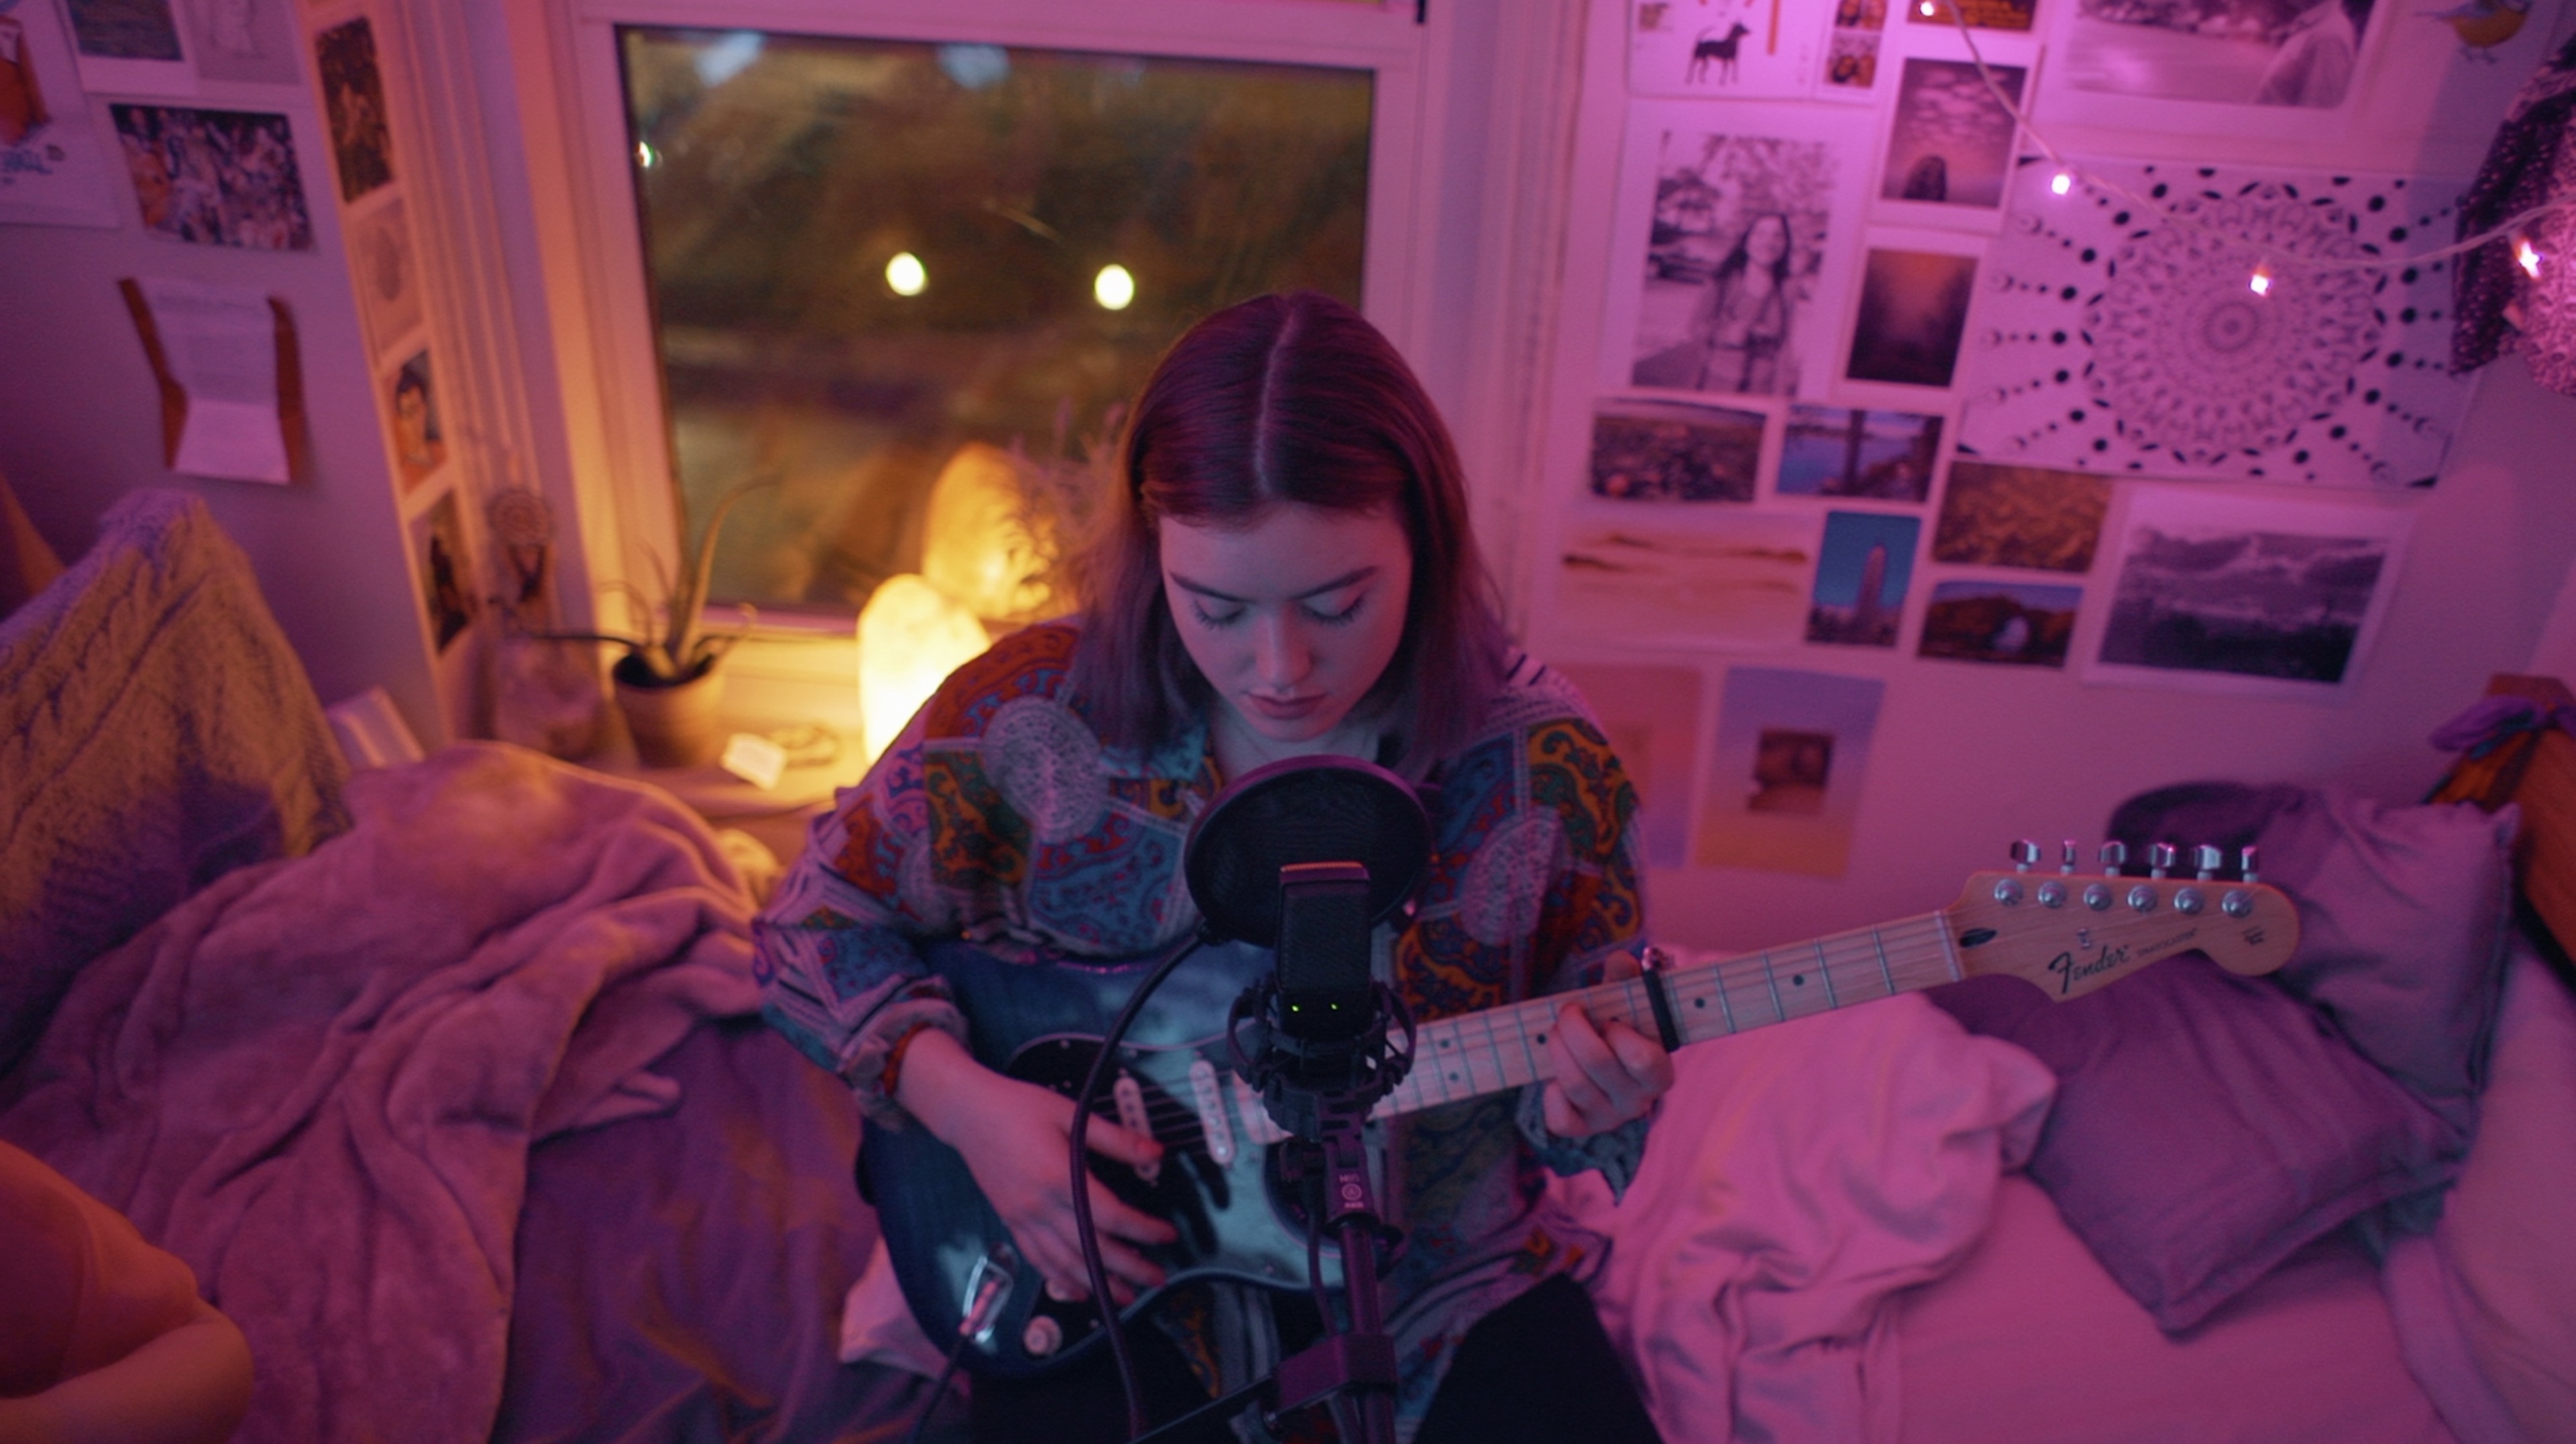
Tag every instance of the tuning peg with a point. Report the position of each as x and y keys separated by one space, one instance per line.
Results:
x=2205 y=860
x=2245 y=865
x=2160 y=858
x=2113 y=854
x=2066 y=856
x=2024 y=853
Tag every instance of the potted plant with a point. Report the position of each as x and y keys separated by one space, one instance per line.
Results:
x=667 y=683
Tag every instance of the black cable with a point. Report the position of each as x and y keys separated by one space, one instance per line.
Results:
x=1093 y=1269
x=938 y=1389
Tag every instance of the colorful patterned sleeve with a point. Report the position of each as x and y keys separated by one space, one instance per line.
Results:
x=838 y=974
x=1593 y=909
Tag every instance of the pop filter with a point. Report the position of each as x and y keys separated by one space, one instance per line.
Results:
x=1299 y=811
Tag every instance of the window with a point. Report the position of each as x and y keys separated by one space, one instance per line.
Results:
x=860 y=255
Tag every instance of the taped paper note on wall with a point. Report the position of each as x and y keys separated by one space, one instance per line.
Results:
x=225 y=360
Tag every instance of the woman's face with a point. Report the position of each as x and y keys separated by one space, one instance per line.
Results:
x=1292 y=619
x=1767 y=242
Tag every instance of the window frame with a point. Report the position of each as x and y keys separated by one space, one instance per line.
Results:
x=632 y=482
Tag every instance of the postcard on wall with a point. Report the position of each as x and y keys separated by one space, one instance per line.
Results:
x=1950 y=138
x=2246 y=596
x=1645 y=451
x=2020 y=516
x=1785 y=771
x=1732 y=240
x=419 y=445
x=2437 y=77
x=1912 y=315
x=1651 y=716
x=387 y=277
x=438 y=550
x=1726 y=579
x=353 y=93
x=134 y=46
x=2112 y=339
x=1740 y=49
x=245 y=40
x=2290 y=71
x=1839 y=451
x=52 y=169
x=1979 y=14
x=2021 y=624
x=1861 y=577
x=216 y=177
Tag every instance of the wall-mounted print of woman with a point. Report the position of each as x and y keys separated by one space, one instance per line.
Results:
x=1734 y=233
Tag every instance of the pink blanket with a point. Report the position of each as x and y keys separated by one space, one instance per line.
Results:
x=1797 y=1178
x=317 y=1081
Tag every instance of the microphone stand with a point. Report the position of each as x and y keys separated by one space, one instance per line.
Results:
x=1321 y=1061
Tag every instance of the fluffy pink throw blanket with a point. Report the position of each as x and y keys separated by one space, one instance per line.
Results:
x=317 y=1081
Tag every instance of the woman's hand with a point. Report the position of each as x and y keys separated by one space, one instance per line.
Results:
x=1606 y=1074
x=1015 y=1137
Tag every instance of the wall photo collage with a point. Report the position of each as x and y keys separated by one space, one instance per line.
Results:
x=1882 y=370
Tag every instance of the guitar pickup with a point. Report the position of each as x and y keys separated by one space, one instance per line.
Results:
x=1214 y=1126
x=1130 y=1098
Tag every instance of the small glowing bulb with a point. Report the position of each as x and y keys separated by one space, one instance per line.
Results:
x=905 y=275
x=1113 y=288
x=2061 y=183
x=2527 y=256
x=2262 y=279
x=1928 y=8
x=646 y=156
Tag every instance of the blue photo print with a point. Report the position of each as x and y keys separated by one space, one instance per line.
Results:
x=1861 y=576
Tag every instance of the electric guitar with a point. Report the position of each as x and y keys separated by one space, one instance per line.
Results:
x=1217 y=1182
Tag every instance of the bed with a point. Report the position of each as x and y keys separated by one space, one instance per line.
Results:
x=446 y=1079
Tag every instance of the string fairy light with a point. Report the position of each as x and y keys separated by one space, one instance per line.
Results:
x=2066 y=177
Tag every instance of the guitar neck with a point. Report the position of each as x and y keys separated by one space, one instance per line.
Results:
x=1478 y=1053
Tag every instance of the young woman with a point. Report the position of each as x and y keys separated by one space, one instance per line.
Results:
x=1744 y=315
x=1289 y=572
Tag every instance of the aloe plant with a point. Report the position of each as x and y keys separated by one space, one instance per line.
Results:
x=675 y=645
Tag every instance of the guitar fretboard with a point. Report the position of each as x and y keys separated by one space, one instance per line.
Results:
x=1474 y=1054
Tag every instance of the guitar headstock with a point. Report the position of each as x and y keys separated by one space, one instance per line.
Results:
x=2069 y=934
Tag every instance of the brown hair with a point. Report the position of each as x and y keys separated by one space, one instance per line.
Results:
x=1292 y=398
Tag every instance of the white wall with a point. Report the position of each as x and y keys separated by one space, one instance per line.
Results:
x=80 y=419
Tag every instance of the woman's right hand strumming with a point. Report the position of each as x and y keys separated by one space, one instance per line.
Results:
x=1014 y=1137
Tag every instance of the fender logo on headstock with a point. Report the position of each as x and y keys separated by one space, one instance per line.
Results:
x=2070 y=972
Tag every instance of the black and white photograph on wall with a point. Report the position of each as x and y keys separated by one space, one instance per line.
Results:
x=2019 y=624
x=1742 y=49
x=446 y=572
x=2290 y=67
x=135 y=47
x=1849 y=452
x=353 y=96
x=1728 y=577
x=53 y=171
x=1741 y=239
x=2020 y=516
x=245 y=40
x=1950 y=142
x=1861 y=577
x=1644 y=452
x=2112 y=338
x=216 y=177
x=2246 y=596
x=1913 y=311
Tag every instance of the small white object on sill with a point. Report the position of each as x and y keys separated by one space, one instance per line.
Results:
x=754 y=759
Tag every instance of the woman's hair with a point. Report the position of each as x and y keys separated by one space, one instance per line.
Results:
x=1286 y=398
x=1738 y=259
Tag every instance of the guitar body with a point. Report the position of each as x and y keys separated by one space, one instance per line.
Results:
x=1044 y=1023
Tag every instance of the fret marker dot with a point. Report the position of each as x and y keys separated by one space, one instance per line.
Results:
x=1797 y=980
